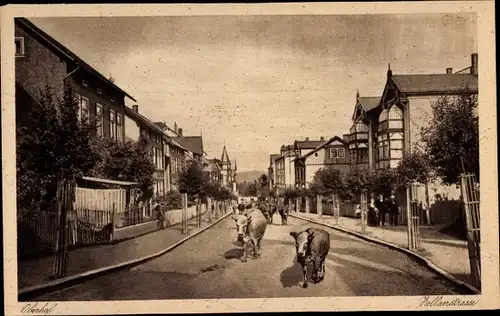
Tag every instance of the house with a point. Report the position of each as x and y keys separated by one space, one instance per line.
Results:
x=331 y=153
x=137 y=124
x=42 y=61
x=213 y=171
x=405 y=107
x=358 y=136
x=228 y=170
x=194 y=144
x=284 y=167
x=272 y=170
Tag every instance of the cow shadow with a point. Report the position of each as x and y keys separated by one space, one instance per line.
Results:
x=234 y=253
x=292 y=276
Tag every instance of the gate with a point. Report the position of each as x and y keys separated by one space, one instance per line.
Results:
x=470 y=197
x=65 y=197
x=413 y=218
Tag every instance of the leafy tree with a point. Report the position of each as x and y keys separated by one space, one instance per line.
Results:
x=127 y=161
x=327 y=181
x=383 y=181
x=356 y=180
x=192 y=180
x=54 y=145
x=452 y=137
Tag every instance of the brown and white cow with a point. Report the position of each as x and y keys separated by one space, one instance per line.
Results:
x=251 y=227
x=312 y=246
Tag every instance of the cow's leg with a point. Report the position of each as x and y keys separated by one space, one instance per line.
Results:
x=316 y=270
x=245 y=252
x=322 y=270
x=258 y=247
x=304 y=274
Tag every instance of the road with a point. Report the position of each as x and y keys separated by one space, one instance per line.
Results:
x=208 y=266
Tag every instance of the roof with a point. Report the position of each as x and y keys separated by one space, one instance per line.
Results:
x=369 y=103
x=212 y=163
x=321 y=146
x=125 y=183
x=26 y=25
x=225 y=157
x=435 y=83
x=273 y=157
x=307 y=144
x=193 y=143
x=139 y=117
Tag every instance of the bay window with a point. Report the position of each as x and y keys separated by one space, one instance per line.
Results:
x=389 y=144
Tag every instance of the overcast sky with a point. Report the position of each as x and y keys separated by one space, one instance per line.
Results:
x=257 y=82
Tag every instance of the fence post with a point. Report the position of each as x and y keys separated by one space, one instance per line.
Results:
x=113 y=223
x=336 y=208
x=412 y=213
x=319 y=205
x=364 y=211
x=297 y=204
x=184 y=214
x=290 y=204
x=307 y=204
x=64 y=202
x=209 y=209
x=216 y=209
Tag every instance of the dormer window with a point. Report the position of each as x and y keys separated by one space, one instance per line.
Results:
x=19 y=41
x=99 y=90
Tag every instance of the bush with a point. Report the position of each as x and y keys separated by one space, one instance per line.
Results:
x=172 y=200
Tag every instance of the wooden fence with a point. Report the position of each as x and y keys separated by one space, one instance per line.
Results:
x=471 y=199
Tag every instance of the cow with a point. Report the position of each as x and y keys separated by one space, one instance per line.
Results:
x=312 y=246
x=251 y=227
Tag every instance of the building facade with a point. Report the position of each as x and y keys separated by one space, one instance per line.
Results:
x=330 y=154
x=405 y=107
x=229 y=171
x=213 y=171
x=41 y=62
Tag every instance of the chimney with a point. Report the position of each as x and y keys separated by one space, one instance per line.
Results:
x=449 y=71
x=175 y=127
x=179 y=132
x=307 y=139
x=135 y=107
x=322 y=138
x=474 y=64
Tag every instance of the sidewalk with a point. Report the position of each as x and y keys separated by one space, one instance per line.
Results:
x=37 y=271
x=444 y=251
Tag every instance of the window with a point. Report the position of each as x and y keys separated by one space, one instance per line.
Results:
x=112 y=98
x=119 y=127
x=19 y=41
x=99 y=90
x=395 y=117
x=158 y=159
x=337 y=153
x=84 y=82
x=98 y=114
x=112 y=124
x=83 y=107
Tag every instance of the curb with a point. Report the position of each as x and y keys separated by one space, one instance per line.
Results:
x=33 y=291
x=423 y=260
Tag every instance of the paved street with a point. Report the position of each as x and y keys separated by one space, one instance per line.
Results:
x=208 y=266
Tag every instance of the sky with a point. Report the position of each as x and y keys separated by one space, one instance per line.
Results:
x=255 y=83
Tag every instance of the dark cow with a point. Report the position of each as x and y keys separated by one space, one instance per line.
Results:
x=312 y=246
x=251 y=227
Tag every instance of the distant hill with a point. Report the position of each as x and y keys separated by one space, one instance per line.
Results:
x=248 y=175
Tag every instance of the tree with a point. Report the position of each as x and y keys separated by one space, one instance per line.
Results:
x=127 y=161
x=53 y=146
x=192 y=180
x=452 y=137
x=327 y=181
x=383 y=181
x=356 y=180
